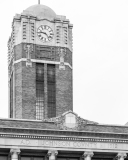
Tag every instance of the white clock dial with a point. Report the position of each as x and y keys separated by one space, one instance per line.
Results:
x=45 y=33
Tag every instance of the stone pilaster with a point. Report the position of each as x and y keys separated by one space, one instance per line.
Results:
x=62 y=53
x=52 y=154
x=29 y=49
x=45 y=92
x=121 y=156
x=88 y=155
x=14 y=153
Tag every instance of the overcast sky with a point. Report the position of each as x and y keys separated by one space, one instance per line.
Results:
x=100 y=55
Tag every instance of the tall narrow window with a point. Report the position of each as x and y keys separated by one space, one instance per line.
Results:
x=51 y=88
x=39 y=91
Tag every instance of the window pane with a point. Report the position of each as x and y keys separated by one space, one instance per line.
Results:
x=39 y=91
x=51 y=88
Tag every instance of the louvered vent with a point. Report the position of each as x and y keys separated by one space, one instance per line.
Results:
x=58 y=34
x=65 y=36
x=32 y=32
x=25 y=30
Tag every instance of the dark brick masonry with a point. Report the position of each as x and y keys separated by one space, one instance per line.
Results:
x=48 y=128
x=25 y=82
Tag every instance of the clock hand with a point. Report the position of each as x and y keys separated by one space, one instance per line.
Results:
x=44 y=33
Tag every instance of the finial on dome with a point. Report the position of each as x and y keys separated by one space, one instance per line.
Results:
x=38 y=1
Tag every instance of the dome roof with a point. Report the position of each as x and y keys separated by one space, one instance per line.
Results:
x=41 y=11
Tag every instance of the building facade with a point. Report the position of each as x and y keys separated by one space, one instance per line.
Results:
x=67 y=137
x=41 y=123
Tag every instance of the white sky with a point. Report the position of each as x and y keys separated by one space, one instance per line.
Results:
x=100 y=55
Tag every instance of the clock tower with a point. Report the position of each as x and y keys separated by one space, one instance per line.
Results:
x=40 y=64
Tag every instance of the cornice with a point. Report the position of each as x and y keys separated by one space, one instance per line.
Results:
x=42 y=61
x=93 y=140
x=64 y=134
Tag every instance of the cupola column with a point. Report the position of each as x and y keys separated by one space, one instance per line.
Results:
x=121 y=156
x=88 y=155
x=52 y=154
x=14 y=153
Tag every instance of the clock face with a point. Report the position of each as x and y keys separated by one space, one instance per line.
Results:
x=45 y=33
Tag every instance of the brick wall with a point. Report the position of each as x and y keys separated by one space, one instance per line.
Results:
x=25 y=93
x=18 y=90
x=28 y=92
x=25 y=85
x=64 y=95
x=89 y=129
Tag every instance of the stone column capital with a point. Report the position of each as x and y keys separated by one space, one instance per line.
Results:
x=52 y=154
x=121 y=155
x=88 y=154
x=15 y=151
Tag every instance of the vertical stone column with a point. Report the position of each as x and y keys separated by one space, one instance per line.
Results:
x=9 y=99
x=45 y=93
x=14 y=96
x=14 y=153
x=88 y=155
x=52 y=154
x=121 y=156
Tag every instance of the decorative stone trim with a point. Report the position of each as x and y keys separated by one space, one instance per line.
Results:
x=42 y=61
x=62 y=53
x=62 y=138
x=80 y=122
x=52 y=154
x=87 y=155
x=28 y=49
x=14 y=153
x=121 y=156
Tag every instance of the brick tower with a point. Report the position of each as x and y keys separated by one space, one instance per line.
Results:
x=40 y=64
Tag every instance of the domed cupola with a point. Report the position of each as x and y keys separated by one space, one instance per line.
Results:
x=40 y=11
